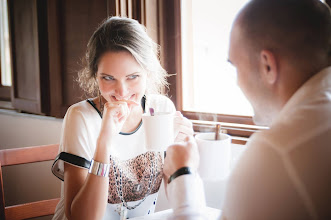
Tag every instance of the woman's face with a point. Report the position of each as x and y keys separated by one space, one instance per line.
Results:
x=120 y=77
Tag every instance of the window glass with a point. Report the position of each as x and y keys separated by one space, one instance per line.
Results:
x=4 y=45
x=209 y=81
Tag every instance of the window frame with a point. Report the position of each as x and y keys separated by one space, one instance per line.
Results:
x=235 y=125
x=240 y=127
x=5 y=91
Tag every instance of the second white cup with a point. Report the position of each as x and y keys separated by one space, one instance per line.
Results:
x=215 y=156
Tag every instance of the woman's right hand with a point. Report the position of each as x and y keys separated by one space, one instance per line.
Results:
x=114 y=117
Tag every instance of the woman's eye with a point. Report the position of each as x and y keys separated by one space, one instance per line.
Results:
x=133 y=76
x=108 y=78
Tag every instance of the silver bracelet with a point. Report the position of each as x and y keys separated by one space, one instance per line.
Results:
x=99 y=169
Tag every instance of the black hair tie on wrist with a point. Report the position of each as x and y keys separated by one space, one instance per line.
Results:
x=179 y=172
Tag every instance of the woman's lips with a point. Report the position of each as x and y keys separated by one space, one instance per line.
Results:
x=129 y=100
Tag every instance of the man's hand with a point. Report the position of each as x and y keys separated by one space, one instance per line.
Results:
x=181 y=155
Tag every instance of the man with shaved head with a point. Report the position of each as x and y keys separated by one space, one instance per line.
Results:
x=282 y=52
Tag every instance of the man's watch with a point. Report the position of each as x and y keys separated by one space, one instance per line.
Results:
x=179 y=172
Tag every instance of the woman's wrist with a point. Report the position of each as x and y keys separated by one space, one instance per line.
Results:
x=102 y=151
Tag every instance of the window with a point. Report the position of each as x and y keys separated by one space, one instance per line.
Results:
x=205 y=87
x=5 y=52
x=209 y=81
x=184 y=50
x=5 y=77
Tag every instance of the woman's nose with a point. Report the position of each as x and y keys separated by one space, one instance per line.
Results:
x=122 y=90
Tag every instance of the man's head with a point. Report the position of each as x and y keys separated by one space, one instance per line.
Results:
x=276 y=46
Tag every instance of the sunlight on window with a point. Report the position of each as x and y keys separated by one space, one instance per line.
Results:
x=209 y=81
x=4 y=45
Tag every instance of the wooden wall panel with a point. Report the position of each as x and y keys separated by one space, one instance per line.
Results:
x=170 y=41
x=49 y=39
x=78 y=22
x=25 y=43
x=4 y=90
x=74 y=21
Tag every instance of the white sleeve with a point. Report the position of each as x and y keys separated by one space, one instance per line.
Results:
x=187 y=199
x=74 y=136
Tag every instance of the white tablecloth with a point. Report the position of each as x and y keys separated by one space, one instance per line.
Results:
x=211 y=213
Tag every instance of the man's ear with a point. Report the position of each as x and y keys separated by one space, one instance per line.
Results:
x=269 y=67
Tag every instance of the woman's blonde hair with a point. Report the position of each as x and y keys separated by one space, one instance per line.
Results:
x=122 y=34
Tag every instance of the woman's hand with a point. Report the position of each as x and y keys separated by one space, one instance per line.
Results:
x=114 y=116
x=183 y=127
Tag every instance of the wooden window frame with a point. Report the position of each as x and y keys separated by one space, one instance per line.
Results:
x=5 y=91
x=170 y=41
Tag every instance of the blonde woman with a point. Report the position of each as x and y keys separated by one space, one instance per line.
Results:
x=106 y=170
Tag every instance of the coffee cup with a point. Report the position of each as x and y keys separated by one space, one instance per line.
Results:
x=215 y=156
x=159 y=130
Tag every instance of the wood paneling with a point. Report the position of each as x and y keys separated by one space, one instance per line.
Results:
x=5 y=93
x=26 y=44
x=138 y=11
x=4 y=90
x=78 y=21
x=49 y=39
x=55 y=66
x=70 y=24
x=170 y=39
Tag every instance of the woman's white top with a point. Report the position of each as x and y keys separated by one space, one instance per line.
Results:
x=137 y=168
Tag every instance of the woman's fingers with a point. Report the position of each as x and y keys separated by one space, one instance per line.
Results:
x=183 y=127
x=124 y=111
x=185 y=130
x=114 y=116
x=180 y=137
x=118 y=109
x=181 y=120
x=131 y=103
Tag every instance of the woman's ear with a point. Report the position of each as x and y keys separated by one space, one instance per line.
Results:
x=269 y=67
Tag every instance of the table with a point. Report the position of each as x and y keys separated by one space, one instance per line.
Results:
x=211 y=213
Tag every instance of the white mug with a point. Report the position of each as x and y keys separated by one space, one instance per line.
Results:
x=215 y=156
x=159 y=130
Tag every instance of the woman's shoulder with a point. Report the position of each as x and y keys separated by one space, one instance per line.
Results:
x=159 y=103
x=82 y=107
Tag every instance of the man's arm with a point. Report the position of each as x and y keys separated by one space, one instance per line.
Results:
x=185 y=190
x=186 y=196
